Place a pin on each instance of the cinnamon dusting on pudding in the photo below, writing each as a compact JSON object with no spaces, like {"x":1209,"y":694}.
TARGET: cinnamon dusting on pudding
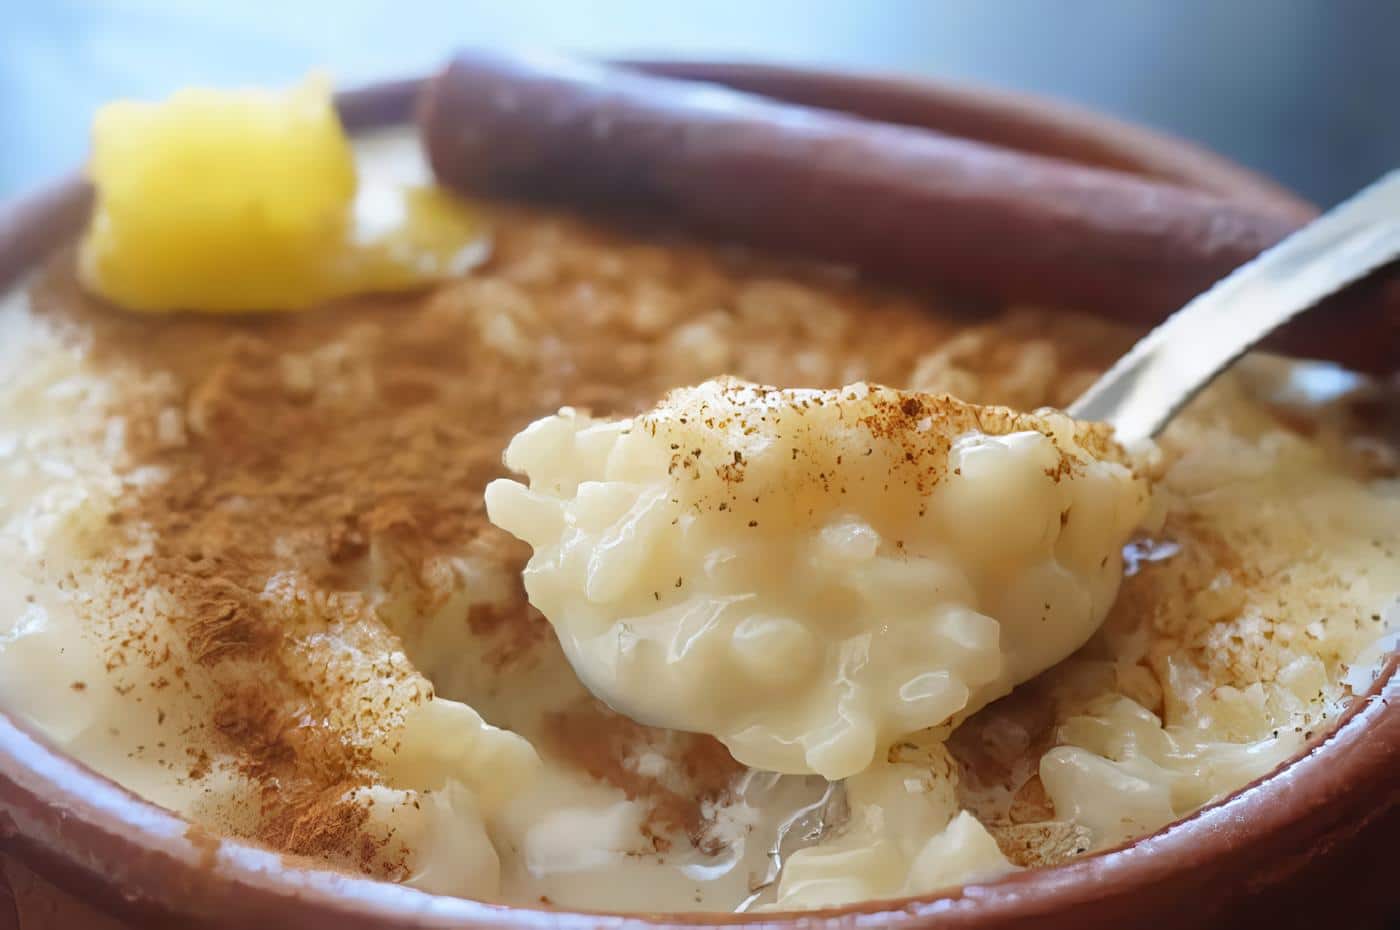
{"x":294,"y":557}
{"x":301,"y":455}
{"x":698,"y":770}
{"x":329,"y":825}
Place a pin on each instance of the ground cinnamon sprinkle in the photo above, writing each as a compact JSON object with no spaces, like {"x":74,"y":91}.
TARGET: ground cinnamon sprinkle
{"x":321,"y":472}
{"x":610,"y":747}
{"x":331,"y":823}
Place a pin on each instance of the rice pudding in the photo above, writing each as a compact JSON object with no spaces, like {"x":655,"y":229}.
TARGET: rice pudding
{"x":850,"y":566}
{"x":251,"y":577}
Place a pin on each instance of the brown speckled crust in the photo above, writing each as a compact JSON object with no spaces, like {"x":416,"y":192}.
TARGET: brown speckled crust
{"x":1310,"y":845}
{"x":900,"y":201}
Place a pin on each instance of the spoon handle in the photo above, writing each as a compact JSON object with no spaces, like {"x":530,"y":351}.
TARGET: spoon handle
{"x":1170,"y":365}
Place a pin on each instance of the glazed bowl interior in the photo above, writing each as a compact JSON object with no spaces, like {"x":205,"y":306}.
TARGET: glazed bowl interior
{"x":95,"y":839}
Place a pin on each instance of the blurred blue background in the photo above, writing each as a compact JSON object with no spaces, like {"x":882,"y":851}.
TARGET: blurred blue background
{"x":1304,"y":90}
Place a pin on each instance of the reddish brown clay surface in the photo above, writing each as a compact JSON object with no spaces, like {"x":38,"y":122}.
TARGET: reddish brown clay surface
{"x":1312,"y":844}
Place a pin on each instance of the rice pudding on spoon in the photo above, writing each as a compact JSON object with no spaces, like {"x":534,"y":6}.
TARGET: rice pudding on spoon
{"x":811,"y":575}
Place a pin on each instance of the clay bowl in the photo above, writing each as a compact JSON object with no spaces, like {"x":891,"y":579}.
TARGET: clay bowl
{"x":1312,"y":841}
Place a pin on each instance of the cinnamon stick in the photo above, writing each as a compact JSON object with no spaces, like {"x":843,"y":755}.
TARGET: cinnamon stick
{"x":901,"y":202}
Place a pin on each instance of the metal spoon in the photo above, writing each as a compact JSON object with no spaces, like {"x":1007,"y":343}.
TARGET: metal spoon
{"x":1142,"y":392}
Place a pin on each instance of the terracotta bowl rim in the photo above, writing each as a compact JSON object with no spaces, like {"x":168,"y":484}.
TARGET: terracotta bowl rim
{"x":92,"y":836}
